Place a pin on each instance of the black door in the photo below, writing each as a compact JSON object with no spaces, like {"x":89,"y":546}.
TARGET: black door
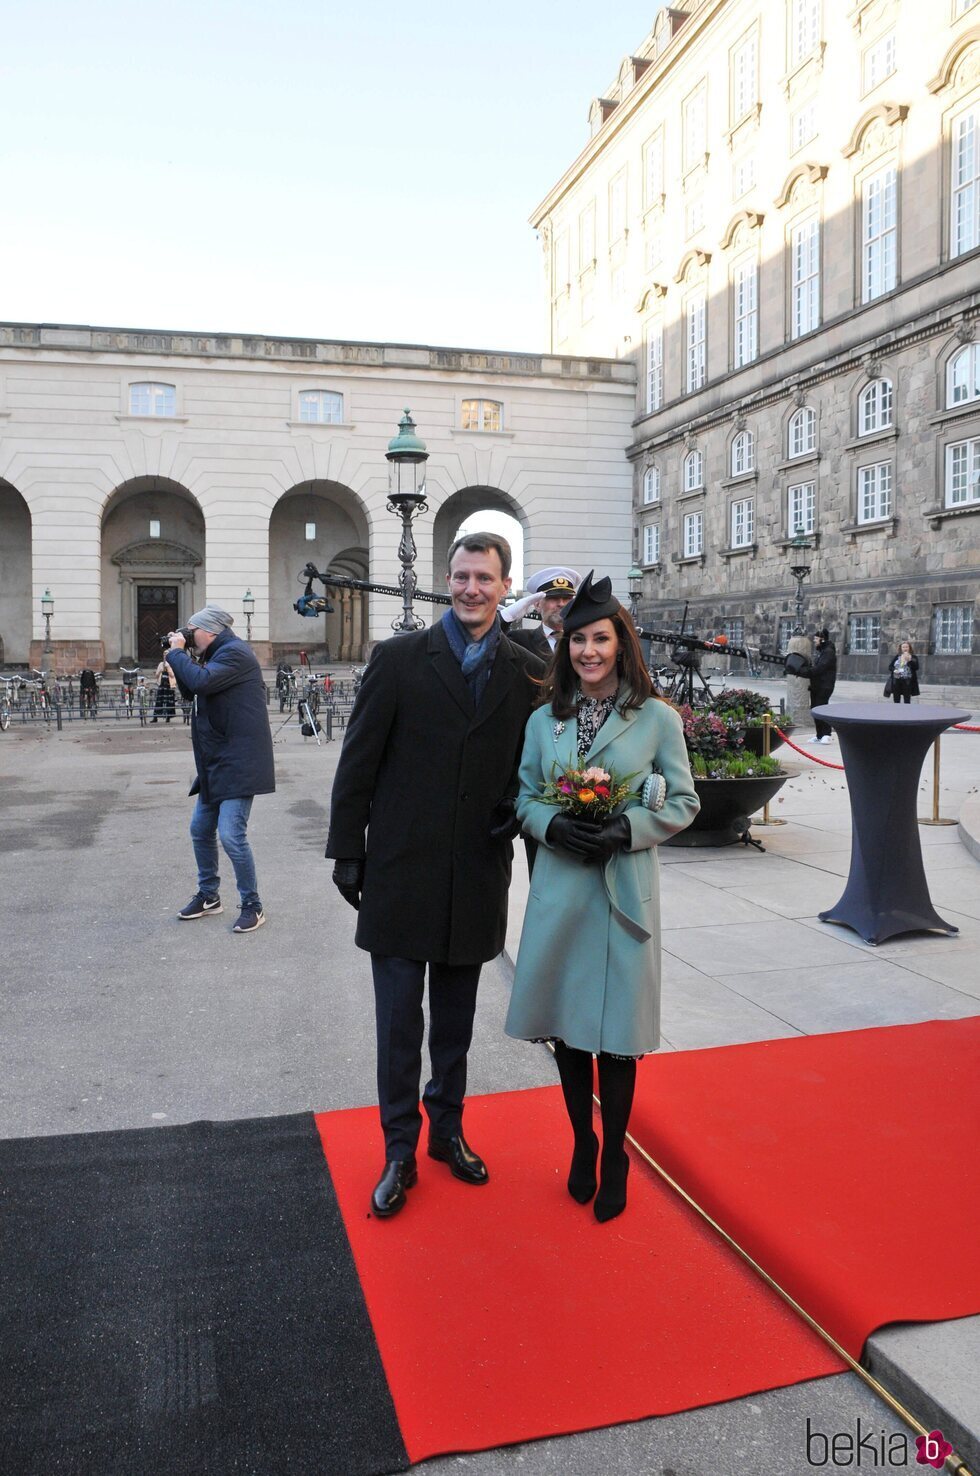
{"x":156,"y":615}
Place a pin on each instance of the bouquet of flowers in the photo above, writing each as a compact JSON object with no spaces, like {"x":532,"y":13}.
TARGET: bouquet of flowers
{"x":589,"y":794}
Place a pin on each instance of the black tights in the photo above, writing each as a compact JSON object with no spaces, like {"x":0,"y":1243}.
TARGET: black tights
{"x":617,"y":1079}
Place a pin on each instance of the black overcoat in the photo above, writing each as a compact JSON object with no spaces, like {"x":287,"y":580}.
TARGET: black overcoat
{"x":421,"y":773}
{"x":230,"y":726}
{"x":912,"y":685}
{"x":533,"y":640}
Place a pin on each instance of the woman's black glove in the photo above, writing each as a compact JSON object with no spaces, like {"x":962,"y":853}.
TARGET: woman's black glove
{"x":614,"y":836}
{"x":348,"y":878}
{"x":572,"y":834}
{"x":504,"y":824}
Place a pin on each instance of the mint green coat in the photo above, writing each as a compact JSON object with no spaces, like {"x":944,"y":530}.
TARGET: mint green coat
{"x":588,"y":967}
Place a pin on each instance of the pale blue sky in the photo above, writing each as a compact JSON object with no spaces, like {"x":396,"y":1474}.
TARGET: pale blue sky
{"x":360,"y":171}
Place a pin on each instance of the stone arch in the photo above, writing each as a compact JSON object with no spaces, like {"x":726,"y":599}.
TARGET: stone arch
{"x":15,"y":577}
{"x":871,"y":130}
{"x":340,"y":546}
{"x":736,"y":232}
{"x":153,"y":565}
{"x":693,"y":265}
{"x":800,"y":185}
{"x":456,"y":509}
{"x":961,"y":64}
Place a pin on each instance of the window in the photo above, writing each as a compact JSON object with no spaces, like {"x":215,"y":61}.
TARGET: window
{"x":803,"y":432}
{"x":804,"y":33}
{"x":617,"y":283}
{"x":311,"y":532}
{"x":653,"y":170}
{"x":743,"y":176}
{"x":321,"y":407}
{"x":651,"y":485}
{"x":655,"y":364}
{"x":561,"y":320}
{"x":878,"y":235}
{"x":803,"y":126}
{"x":743,"y":522}
{"x":874,"y":492}
{"x":879,"y":61}
{"x":694,"y":216}
{"x":805,"y":278}
{"x":784,"y":632}
{"x":963,"y":376}
{"x":960,"y":7}
{"x":695,"y":128}
{"x":864,"y":634}
{"x":154,"y":528}
{"x":875,"y":407}
{"x":617,"y":207}
{"x":801,"y":509}
{"x":963,"y":473}
{"x":693,"y":471}
{"x":745,"y":305}
{"x":953,"y":630}
{"x":152,"y":399}
{"x":586,"y":238}
{"x":744,"y":84}
{"x":562,"y":265}
{"x":965,"y":225}
{"x":482,"y":415}
{"x":695,"y":342}
{"x":693,"y":535}
{"x":654,"y":252}
{"x":734,"y":629}
{"x":588,"y":304}
{"x":743,"y":454}
{"x":651,"y":543}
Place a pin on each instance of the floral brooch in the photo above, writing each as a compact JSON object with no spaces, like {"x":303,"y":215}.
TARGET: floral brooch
{"x":559,"y":728}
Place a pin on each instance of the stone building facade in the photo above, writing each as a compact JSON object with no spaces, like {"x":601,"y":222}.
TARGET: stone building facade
{"x":144,"y":473}
{"x":777,"y":220}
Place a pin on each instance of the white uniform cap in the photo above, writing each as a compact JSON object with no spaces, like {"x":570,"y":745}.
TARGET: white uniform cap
{"x":556,"y":580}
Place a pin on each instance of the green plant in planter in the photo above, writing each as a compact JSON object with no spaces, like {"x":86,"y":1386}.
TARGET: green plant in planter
{"x":734,"y":766}
{"x":746,"y":707}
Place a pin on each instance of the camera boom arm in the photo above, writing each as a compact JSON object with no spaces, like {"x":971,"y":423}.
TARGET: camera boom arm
{"x":313,"y":605}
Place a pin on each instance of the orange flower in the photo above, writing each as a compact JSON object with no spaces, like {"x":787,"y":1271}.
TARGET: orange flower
{"x":586,"y":796}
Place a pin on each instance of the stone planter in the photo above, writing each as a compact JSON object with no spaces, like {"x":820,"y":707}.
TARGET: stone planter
{"x":726,"y":806}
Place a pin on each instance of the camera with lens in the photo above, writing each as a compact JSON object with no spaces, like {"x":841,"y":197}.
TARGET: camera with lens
{"x":185,"y":631}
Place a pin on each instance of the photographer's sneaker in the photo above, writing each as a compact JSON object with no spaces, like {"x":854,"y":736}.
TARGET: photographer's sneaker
{"x":250,"y":919}
{"x":200,"y":906}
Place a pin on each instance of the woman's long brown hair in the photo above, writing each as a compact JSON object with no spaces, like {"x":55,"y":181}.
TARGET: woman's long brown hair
{"x":560,"y":684}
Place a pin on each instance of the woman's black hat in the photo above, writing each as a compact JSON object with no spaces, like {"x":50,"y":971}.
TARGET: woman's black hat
{"x":594,"y":601}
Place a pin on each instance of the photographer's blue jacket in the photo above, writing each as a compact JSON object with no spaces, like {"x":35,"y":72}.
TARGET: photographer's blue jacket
{"x":230,"y":727}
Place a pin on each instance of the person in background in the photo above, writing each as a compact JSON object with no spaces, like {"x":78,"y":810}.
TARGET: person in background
{"x":823,"y":679}
{"x":549,"y":591}
{"x":165,"y":705}
{"x":904,"y":668}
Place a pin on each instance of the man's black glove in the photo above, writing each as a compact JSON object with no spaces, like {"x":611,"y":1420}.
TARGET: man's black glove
{"x":504,"y":824}
{"x":348,"y":878}
{"x":579,"y":837}
{"x":614,"y":836}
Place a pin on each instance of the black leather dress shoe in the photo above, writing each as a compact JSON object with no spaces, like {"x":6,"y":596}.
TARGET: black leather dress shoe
{"x":463,"y":1162}
{"x":389,"y":1192}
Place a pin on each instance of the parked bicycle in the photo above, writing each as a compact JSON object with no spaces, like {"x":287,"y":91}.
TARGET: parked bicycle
{"x":130,"y":681}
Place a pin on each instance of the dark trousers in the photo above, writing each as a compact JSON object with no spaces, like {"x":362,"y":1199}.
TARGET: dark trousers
{"x":819,"y":696}
{"x":399,"y":986}
{"x":901,"y":693}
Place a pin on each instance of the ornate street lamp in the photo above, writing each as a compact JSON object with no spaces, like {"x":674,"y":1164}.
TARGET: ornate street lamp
{"x":635,"y":581}
{"x":47,"y":610}
{"x":248,"y":606}
{"x":801,"y":552}
{"x":406,"y":455}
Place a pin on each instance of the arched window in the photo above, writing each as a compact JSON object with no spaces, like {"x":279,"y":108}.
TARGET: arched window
{"x":149,"y":398}
{"x":875,"y":407}
{"x":743,"y":454}
{"x":693,"y":471}
{"x":651,"y":485}
{"x":321,"y":407}
{"x":963,"y":376}
{"x":803,"y":432}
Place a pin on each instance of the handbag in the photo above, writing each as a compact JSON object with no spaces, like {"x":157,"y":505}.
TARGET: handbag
{"x":653,"y":795}
{"x":888,"y":688}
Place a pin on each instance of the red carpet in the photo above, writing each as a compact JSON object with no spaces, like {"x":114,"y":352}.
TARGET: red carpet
{"x":846,"y":1164}
{"x":506,"y":1313}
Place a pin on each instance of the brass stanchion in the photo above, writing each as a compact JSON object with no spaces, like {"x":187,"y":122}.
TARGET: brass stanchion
{"x":935,"y":818}
{"x":767,"y":819}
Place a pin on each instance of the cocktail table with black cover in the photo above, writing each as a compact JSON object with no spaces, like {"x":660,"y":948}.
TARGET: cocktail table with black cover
{"x":883,"y":748}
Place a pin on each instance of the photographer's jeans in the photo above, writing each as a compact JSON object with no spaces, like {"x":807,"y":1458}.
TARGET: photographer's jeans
{"x":227,"y":820}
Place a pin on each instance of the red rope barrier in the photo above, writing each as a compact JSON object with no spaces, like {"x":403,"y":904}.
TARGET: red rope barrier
{"x":826,"y":762}
{"x":966,"y":728}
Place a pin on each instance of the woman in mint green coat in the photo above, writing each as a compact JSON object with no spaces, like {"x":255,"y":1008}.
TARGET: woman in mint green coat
{"x":588,"y":968}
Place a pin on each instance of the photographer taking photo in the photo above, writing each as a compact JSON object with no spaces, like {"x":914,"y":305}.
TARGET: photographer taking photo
{"x":233,"y":753}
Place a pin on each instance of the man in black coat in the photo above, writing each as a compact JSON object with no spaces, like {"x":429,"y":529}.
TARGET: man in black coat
{"x":233,"y":754}
{"x":823,"y":679}
{"x":429,"y":772}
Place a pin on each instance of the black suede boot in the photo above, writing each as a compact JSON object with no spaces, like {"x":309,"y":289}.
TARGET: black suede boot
{"x":617,"y":1080}
{"x":575,"y":1070}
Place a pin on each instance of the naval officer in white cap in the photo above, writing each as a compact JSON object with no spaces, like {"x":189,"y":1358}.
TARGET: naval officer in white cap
{"x":549,"y":591}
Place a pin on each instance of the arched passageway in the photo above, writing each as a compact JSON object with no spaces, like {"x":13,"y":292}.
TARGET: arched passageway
{"x":322,"y":523}
{"x":15,"y":577}
{"x":473,"y":508}
{"x":153,"y":579}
